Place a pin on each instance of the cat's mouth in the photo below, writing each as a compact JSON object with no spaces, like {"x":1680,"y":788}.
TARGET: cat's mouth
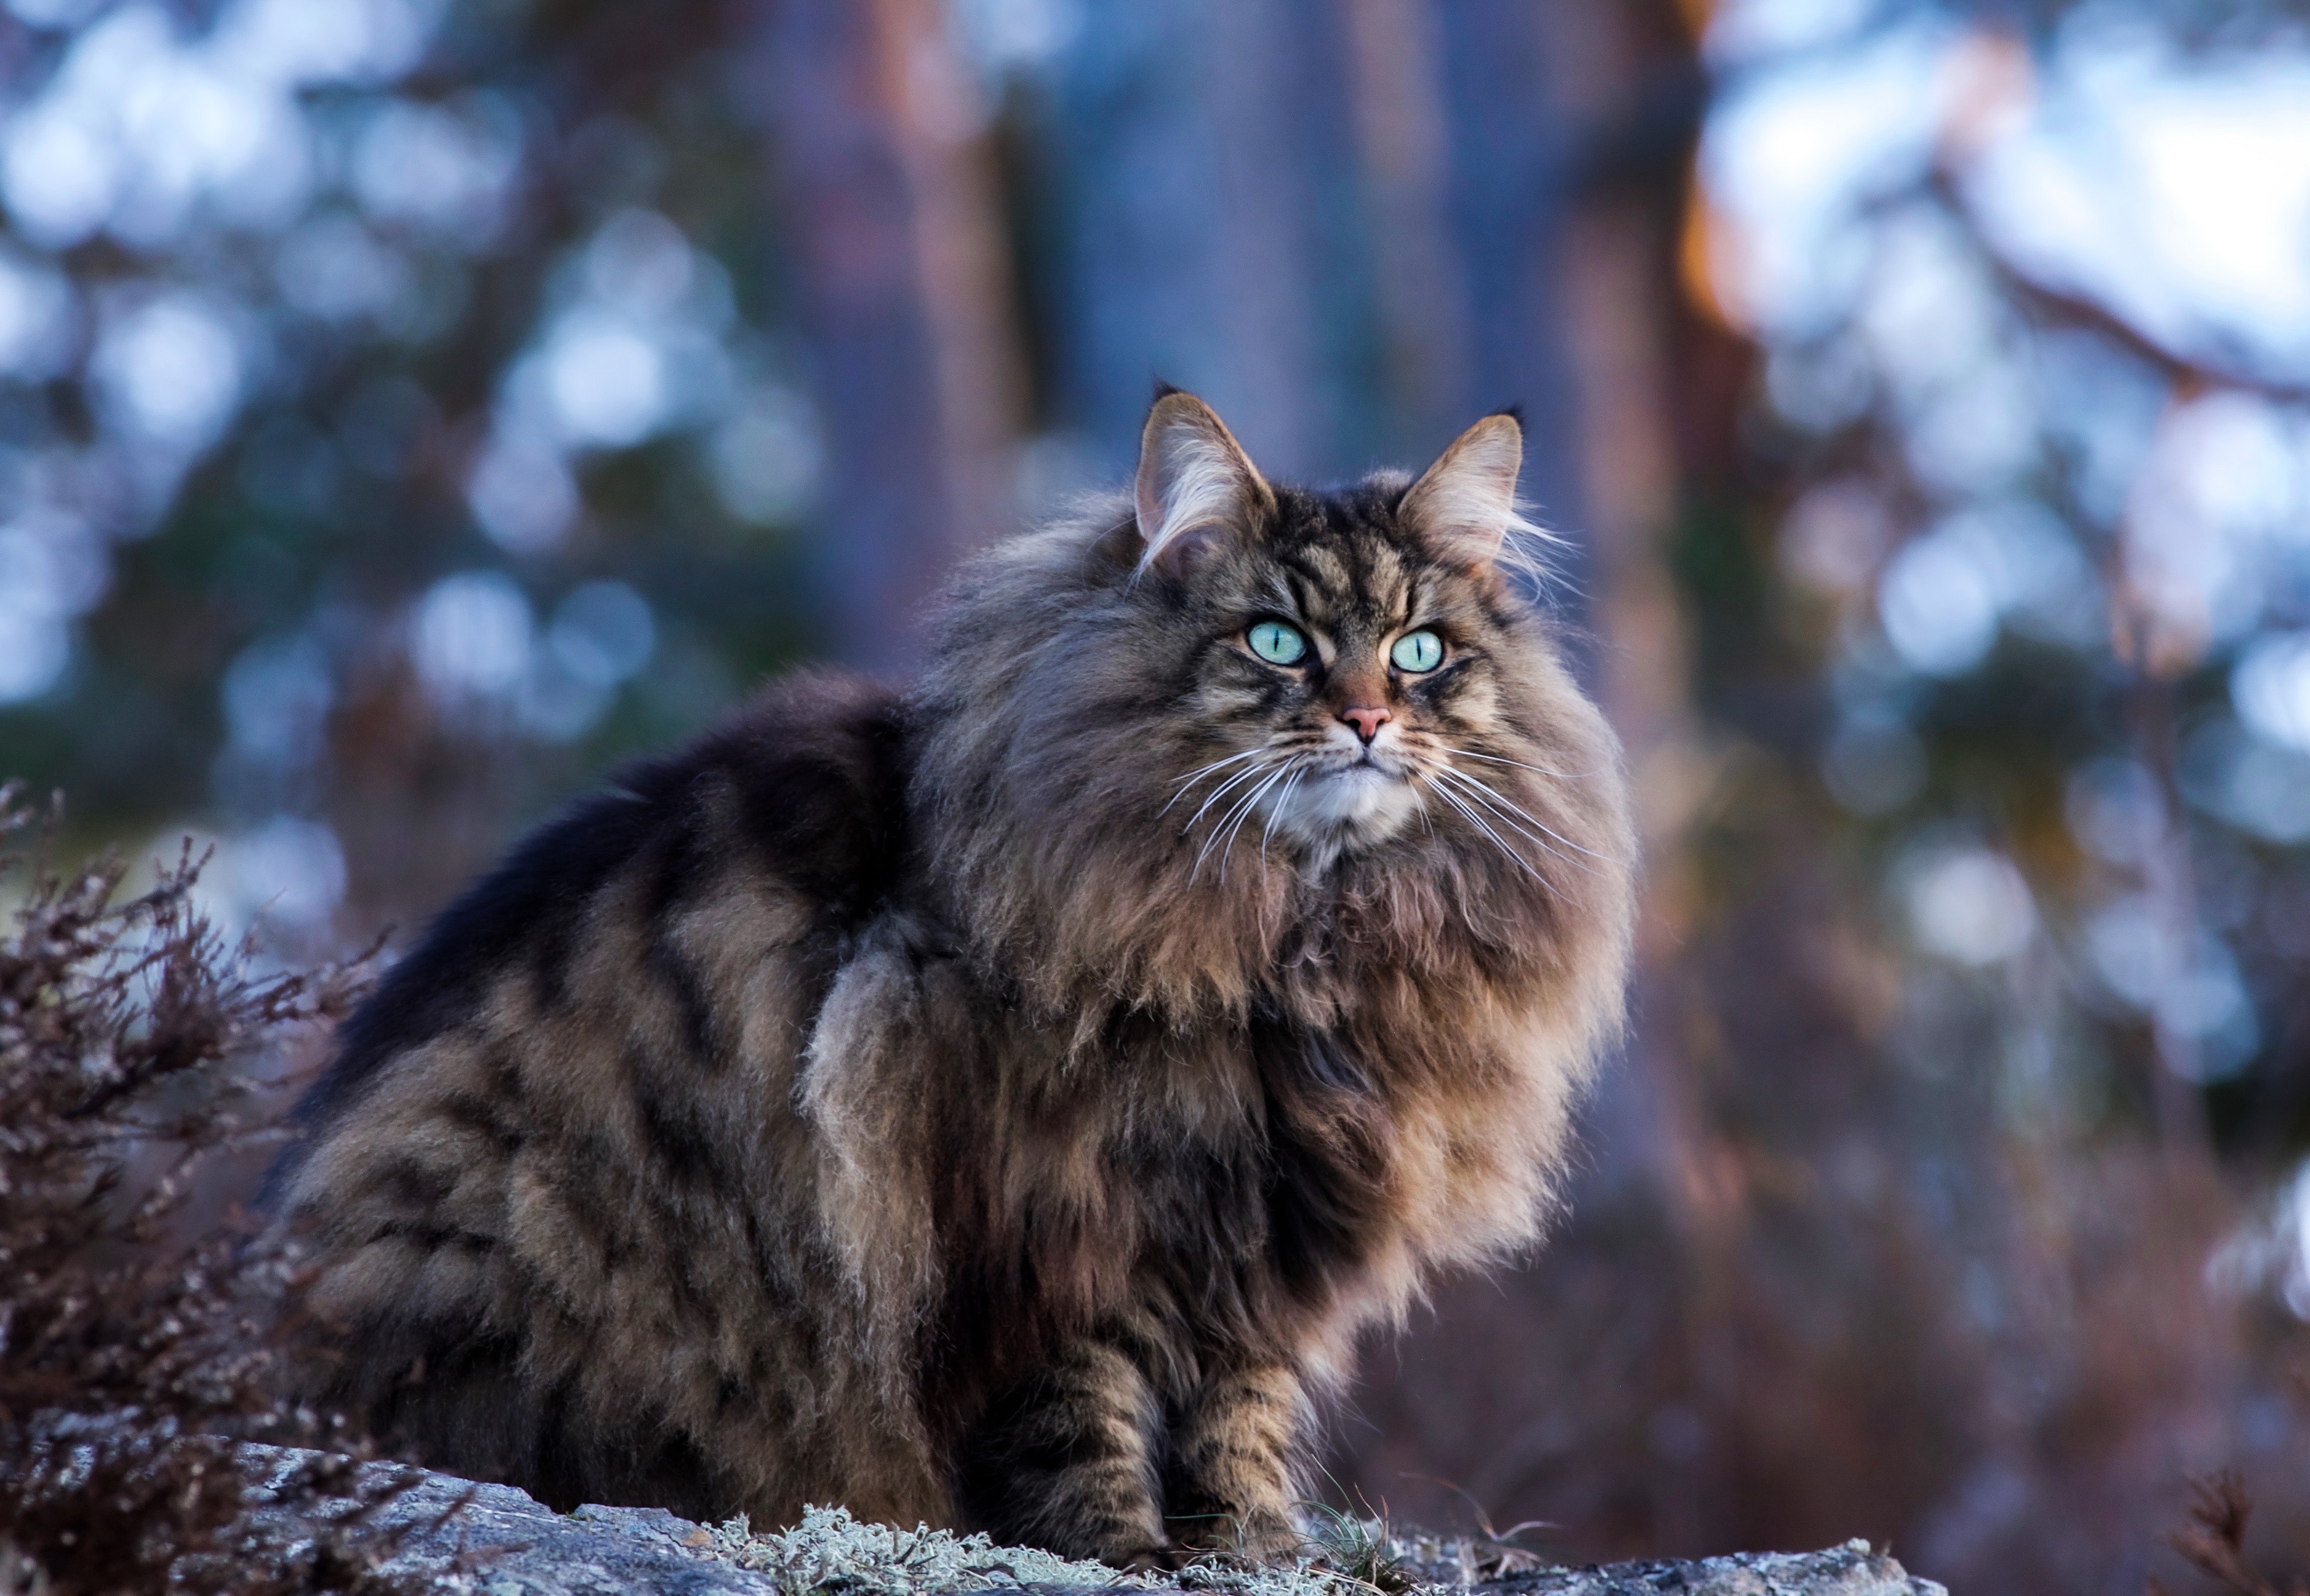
{"x":1354,"y":803}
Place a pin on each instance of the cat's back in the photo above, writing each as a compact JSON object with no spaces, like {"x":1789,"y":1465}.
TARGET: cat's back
{"x":790,"y":816}
{"x":531,"y":1123}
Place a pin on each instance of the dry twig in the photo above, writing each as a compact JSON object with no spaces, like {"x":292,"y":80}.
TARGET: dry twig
{"x":135,"y":1361}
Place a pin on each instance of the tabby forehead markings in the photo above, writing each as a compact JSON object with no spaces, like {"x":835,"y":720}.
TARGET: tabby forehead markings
{"x":1356,"y":575}
{"x":1002,"y":1104}
{"x":1279,"y":589}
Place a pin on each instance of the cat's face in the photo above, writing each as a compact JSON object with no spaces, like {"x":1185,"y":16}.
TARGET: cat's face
{"x":1156,"y":738}
{"x":1357,"y":658}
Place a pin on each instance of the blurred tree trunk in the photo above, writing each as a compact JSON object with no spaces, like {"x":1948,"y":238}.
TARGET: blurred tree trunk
{"x":1463,"y":136}
{"x":1194,"y":147}
{"x":1509,"y":135}
{"x":902,"y":291}
{"x":1291,"y":207}
{"x":1628,"y":73}
{"x":1422,"y":299}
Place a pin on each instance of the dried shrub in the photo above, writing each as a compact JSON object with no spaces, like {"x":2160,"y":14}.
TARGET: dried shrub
{"x":136,"y":1366}
{"x":2213,"y":1540}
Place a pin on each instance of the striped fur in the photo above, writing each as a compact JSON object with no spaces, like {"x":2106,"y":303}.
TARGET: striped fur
{"x":991,"y":1106}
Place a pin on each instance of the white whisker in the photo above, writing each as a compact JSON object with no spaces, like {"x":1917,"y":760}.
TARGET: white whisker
{"x":1501,"y":804}
{"x":1219,"y":826}
{"x":1239,"y":813}
{"x":1221,"y":791}
{"x":1275,"y":810}
{"x":1248,"y":753}
{"x":1505,"y":819}
{"x":1470,"y":753}
{"x":1185,"y":784}
{"x":1477,"y":820}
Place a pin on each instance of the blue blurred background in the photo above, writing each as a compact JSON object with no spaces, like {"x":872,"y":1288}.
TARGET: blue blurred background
{"x":410,"y":407}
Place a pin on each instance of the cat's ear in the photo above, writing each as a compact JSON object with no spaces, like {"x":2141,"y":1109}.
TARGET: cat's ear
{"x":1465,"y":503}
{"x":1197,"y":487}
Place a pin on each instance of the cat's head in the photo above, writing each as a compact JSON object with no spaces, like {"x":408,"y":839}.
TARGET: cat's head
{"x":1358,"y":650}
{"x":1161,"y":730}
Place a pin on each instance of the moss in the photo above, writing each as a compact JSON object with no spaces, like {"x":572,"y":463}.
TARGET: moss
{"x":830,"y":1551}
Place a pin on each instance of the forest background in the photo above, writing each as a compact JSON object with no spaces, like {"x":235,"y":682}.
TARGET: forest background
{"x":410,"y":408}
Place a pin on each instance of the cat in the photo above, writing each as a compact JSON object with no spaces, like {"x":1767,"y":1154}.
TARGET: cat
{"x":1003,"y":1103}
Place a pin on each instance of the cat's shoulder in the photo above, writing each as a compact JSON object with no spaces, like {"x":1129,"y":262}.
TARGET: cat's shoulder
{"x":806,"y":782}
{"x":809,"y":779}
{"x":805,"y":786}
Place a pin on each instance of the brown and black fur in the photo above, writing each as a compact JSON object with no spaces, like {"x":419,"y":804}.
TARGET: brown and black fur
{"x":918,"y":1103}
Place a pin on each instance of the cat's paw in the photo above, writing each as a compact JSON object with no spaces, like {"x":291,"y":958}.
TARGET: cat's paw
{"x":1152,"y":1559}
{"x":1248,"y":1542}
{"x":1259,"y":1545}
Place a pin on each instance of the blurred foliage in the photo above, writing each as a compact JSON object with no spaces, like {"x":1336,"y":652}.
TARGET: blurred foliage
{"x":386,"y":297}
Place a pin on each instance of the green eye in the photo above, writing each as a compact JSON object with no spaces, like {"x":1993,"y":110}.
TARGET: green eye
{"x":1278,"y":644}
{"x":1417,"y":651}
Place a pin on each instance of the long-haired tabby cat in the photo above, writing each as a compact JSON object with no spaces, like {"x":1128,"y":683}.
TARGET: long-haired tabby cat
{"x":1002,"y":1104}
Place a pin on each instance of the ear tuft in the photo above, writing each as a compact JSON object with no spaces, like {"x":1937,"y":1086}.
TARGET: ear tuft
{"x":1195,"y":485}
{"x":1465,"y":503}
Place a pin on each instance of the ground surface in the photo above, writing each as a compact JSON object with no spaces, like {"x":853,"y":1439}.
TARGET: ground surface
{"x":493,"y":1541}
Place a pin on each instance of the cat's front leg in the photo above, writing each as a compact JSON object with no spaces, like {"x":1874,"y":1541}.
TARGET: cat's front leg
{"x":1065,"y":1460}
{"x":1230,"y":1486}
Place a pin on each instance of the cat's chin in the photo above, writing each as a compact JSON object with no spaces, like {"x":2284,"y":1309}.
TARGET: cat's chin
{"x":1347,"y":810}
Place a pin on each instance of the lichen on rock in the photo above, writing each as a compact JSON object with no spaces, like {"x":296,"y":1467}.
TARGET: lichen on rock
{"x":832,"y":1552}
{"x":467,"y":1540}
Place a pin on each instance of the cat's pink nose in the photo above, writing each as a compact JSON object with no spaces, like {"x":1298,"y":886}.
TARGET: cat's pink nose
{"x":1366,"y":721}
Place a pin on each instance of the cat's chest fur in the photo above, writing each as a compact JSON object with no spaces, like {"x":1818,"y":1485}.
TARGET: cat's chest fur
{"x":1240,"y":1176}
{"x":1255,"y":1158}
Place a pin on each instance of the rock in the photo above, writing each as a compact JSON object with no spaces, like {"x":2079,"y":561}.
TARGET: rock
{"x":1852,"y":1569}
{"x":493,"y":1541}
